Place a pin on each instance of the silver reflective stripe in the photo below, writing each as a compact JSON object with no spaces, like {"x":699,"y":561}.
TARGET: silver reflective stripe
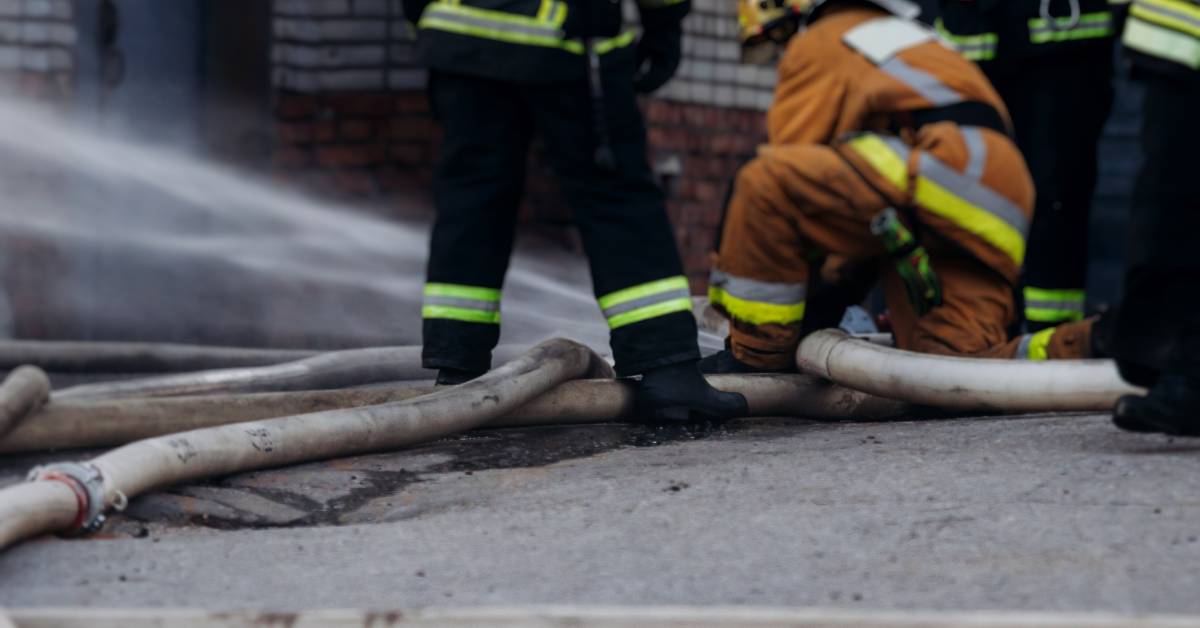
{"x":902,"y":150}
{"x":974,"y":192}
{"x":448,"y":14}
{"x":637,"y":304}
{"x":976,"y":152}
{"x":1066,"y":306}
{"x":469,"y":304}
{"x":1168,"y":13}
{"x":759,"y":291}
{"x":1023,"y":348}
{"x":924,"y":83}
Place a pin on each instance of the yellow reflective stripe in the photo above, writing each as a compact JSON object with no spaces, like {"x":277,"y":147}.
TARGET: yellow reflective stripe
{"x":980,"y":38}
{"x":1090,"y":26}
{"x":1164,"y":43}
{"x":602,"y":46}
{"x":458,"y":291}
{"x":1046,"y":315}
{"x":642,"y":291}
{"x":496,"y":34}
{"x":883,"y":159}
{"x":979,"y":47}
{"x":756,"y":312}
{"x":1035,"y":347}
{"x":650,"y":311}
{"x":889,"y":161}
{"x":1068,"y":295}
{"x":1043,"y":305}
{"x":1181,"y":16}
{"x":645,"y":301}
{"x":977,"y":220}
{"x":460,"y":314}
{"x":544,"y":31}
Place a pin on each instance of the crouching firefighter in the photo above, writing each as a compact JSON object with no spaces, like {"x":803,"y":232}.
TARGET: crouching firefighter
{"x":889,"y":152}
{"x":503,"y":71}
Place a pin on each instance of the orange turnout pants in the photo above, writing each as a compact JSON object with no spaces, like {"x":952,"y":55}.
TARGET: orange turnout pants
{"x":793,"y":206}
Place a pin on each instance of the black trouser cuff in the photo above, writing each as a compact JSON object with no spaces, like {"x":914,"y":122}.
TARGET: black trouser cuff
{"x":640,"y":368}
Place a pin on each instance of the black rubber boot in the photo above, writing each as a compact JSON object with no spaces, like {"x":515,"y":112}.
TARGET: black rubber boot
{"x":723,"y":363}
{"x":678,"y":392}
{"x":454,"y":377}
{"x":1172,"y":407}
{"x":1173,"y":404}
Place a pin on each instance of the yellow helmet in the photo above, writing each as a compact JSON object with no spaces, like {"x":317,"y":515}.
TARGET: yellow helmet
{"x":767,"y":24}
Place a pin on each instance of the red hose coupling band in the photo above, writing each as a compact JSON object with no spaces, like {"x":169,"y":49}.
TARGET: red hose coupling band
{"x":87,"y":483}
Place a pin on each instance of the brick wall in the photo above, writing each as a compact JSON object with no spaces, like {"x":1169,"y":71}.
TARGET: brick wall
{"x":351,"y":115}
{"x":37,"y":47}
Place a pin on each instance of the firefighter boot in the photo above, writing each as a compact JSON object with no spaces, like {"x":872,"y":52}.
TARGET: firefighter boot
{"x":1173,"y":404}
{"x":723,"y":363}
{"x":678,"y":392}
{"x":454,"y":377}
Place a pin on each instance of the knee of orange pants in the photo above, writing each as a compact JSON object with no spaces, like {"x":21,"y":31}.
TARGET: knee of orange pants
{"x":974,"y":319}
{"x":977,"y":309}
{"x":790,"y":206}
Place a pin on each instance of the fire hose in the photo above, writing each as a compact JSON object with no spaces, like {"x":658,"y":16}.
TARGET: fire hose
{"x":963,"y":383}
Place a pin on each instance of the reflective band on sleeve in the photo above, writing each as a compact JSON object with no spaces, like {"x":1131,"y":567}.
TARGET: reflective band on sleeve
{"x":758,"y":302}
{"x":1090,"y":26}
{"x":646,"y":301}
{"x":1174,"y":14}
{"x":976,"y":152}
{"x":1035,"y":347}
{"x":1163,"y":43}
{"x":922,"y":82}
{"x":1054,"y":306}
{"x":943,"y":191}
{"x":544,"y":30}
{"x":981,"y":47}
{"x":471,"y":304}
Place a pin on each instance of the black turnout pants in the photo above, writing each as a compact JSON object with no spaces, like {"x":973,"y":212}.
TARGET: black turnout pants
{"x":1158,"y":324}
{"x":478,"y":184}
{"x":1059,"y":114}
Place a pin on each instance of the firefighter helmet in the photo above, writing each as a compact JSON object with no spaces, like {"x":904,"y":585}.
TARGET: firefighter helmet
{"x":768,"y":24}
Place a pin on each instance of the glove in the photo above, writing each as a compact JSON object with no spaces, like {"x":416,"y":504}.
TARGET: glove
{"x":658,"y":54}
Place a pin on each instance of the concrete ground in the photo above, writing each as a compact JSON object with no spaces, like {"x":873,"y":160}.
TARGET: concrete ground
{"x":1033,"y":513}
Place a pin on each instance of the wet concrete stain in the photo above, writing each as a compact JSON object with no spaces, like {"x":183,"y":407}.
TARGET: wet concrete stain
{"x":371,"y":479}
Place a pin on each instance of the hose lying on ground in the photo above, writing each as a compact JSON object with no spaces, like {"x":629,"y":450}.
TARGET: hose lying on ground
{"x":107,"y":423}
{"x":75,"y":496}
{"x":337,"y":369}
{"x":135,"y":357}
{"x":963,"y":383}
{"x":22,"y":393}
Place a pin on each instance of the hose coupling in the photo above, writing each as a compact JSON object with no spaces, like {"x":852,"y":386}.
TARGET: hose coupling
{"x":87,"y":483}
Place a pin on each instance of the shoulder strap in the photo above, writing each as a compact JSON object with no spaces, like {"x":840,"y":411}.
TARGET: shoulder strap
{"x":881,"y":39}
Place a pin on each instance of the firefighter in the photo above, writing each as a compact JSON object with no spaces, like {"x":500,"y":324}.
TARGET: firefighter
{"x":1052,"y":63}
{"x":1156,"y":330}
{"x":503,"y":71}
{"x":883,"y":145}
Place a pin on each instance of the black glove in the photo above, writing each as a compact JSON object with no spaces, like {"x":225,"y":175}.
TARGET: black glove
{"x":658,"y":54}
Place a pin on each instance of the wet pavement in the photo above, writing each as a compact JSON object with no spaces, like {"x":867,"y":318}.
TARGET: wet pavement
{"x":1024,"y":513}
